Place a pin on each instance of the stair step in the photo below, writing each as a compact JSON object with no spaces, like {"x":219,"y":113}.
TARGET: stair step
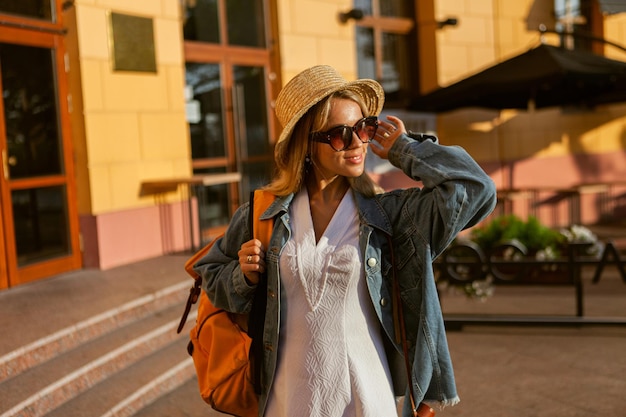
{"x":74,"y":372}
{"x":164,"y":384}
{"x":105,"y":397}
{"x":46,"y":348}
{"x":184,"y":401}
{"x":19,"y":388}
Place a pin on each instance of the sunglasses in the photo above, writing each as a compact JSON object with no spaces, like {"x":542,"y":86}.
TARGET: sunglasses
{"x":340,"y":137}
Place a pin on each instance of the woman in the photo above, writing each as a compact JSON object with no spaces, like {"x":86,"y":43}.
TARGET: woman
{"x":328,"y":265}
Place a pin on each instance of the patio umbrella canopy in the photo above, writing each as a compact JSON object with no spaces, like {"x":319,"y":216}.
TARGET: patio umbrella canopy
{"x":544,"y":76}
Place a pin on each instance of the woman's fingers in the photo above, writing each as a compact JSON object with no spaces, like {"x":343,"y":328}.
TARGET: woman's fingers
{"x":252,"y":260}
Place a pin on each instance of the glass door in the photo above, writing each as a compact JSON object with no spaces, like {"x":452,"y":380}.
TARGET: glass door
{"x":39,"y":228}
{"x":231,"y":79}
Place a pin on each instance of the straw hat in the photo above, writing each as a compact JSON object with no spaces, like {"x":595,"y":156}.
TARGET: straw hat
{"x":312,"y":85}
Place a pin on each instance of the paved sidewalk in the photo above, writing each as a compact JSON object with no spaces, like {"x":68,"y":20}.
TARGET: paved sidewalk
{"x":542,"y":370}
{"x":501,"y":370}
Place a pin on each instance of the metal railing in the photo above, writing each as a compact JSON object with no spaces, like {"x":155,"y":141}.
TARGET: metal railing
{"x":465,"y":262}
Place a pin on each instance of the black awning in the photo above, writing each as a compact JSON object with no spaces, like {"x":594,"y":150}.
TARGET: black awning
{"x":612,"y":6}
{"x":544,"y":76}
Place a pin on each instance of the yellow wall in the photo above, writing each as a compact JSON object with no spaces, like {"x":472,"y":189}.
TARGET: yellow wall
{"x":311,"y":34}
{"x":615,"y":30}
{"x":513,"y":135}
{"x":487,"y":31}
{"x":490,"y":32}
{"x":133,"y":125}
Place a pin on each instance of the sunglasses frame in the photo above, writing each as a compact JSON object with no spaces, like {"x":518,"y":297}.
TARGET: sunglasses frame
{"x":324,"y":137}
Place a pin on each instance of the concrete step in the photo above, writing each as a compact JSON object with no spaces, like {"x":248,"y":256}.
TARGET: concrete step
{"x":184,"y":401}
{"x":50,"y":345}
{"x":129,"y":390}
{"x":111,"y":364}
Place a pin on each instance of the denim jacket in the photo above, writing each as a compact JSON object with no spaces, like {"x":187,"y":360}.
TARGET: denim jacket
{"x":421,"y":223}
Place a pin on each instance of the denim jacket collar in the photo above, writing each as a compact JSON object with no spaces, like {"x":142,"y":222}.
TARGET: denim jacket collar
{"x":370,"y":211}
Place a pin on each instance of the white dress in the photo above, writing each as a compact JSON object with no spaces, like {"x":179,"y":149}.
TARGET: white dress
{"x":331,"y":360}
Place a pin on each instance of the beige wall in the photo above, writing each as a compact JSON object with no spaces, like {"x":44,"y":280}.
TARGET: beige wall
{"x":311,"y":34}
{"x":492,"y":31}
{"x":488,"y":31}
{"x":615,"y":30}
{"x":551,"y":147}
{"x":127,"y":127}
{"x":133,"y":123}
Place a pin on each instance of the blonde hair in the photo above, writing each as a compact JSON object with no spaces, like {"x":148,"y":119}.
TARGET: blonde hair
{"x":290,"y":154}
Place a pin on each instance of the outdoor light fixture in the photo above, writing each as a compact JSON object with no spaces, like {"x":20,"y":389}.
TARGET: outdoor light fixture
{"x":451,"y":21}
{"x":356,"y":14}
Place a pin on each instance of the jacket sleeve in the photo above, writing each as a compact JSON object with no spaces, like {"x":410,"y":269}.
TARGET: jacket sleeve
{"x":456,"y":192}
{"x":221,"y":274}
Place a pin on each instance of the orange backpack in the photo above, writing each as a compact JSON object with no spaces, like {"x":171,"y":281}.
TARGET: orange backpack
{"x":219,"y":345}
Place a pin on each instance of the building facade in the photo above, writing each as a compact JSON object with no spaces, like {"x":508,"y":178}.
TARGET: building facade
{"x":133,"y":129}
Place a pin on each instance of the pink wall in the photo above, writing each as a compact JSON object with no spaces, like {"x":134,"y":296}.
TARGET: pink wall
{"x":123,"y":237}
{"x":540,"y":185}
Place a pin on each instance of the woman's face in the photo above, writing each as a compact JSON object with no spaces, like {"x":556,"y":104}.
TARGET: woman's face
{"x":351,"y":161}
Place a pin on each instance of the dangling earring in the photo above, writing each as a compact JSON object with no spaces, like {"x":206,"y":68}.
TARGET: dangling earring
{"x":307,"y":163}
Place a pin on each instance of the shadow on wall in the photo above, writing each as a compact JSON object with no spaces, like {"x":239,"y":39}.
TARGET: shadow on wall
{"x":555,"y":148}
{"x":528,"y":137}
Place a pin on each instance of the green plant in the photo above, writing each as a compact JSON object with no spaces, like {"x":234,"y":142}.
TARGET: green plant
{"x":531,"y":233}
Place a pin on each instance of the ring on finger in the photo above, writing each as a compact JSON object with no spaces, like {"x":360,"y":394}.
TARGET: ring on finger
{"x":249,"y":259}
{"x":385,"y":135}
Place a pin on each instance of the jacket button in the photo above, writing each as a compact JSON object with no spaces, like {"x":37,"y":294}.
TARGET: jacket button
{"x":271,"y":294}
{"x":383,"y":301}
{"x":371,"y":262}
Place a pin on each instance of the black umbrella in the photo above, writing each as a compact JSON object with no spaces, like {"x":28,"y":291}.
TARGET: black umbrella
{"x":541,"y":77}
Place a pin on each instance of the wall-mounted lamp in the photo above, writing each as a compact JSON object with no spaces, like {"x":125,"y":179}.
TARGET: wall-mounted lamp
{"x":451,"y":21}
{"x":356,"y":14}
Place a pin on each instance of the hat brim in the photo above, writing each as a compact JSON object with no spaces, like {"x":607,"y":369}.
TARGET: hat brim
{"x":370,"y":91}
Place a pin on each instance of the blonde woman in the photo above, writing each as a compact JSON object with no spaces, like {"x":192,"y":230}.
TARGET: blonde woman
{"x":329,"y":314}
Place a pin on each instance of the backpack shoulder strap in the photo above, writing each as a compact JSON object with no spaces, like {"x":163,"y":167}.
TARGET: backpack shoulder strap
{"x":260,"y":200}
{"x":196,"y":289}
{"x":261,"y":229}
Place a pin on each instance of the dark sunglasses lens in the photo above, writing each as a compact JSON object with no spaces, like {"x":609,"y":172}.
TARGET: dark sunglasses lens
{"x":340,"y":137}
{"x":366,"y":129}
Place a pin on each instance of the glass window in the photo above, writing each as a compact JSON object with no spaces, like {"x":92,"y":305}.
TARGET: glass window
{"x":384,"y":44}
{"x":250,"y":105}
{"x":574,"y":17}
{"x":395,"y":8}
{"x":213,"y":203}
{"x":30,"y":111}
{"x":38,"y":9}
{"x":388,"y":8}
{"x":205,"y":113}
{"x":39,"y":214}
{"x":365,"y":52}
{"x":201,"y":22}
{"x":255,"y":175}
{"x":245,"y":23}
{"x":394,"y":63}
